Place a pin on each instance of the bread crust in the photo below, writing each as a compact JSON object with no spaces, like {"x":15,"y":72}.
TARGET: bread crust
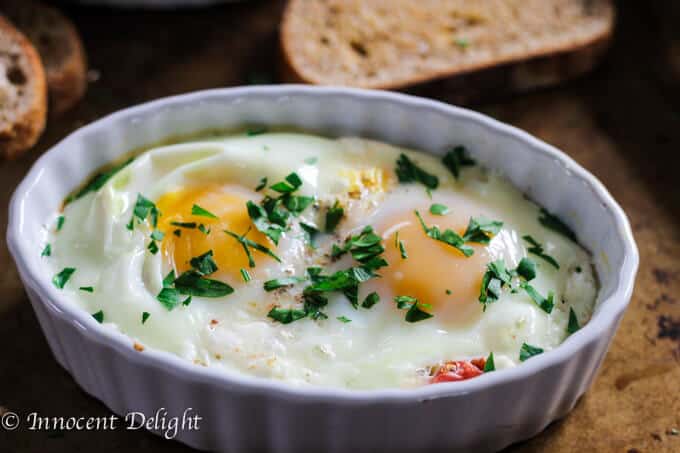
{"x":67,"y":80}
{"x":19,"y":136}
{"x":593,"y":45}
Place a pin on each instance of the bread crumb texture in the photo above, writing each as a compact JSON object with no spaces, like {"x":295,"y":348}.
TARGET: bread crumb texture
{"x":376,"y":43}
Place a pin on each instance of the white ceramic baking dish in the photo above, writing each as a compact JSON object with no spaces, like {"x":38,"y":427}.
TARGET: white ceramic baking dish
{"x":244,"y":413}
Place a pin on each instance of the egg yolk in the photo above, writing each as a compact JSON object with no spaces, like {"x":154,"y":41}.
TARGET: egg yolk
{"x":435,"y":273}
{"x":230,"y":208}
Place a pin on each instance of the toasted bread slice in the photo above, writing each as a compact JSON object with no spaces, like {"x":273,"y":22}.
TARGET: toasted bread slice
{"x":60,"y":48}
{"x":23,"y":92}
{"x":397,"y":43}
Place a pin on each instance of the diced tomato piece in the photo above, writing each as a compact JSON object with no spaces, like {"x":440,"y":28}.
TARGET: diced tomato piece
{"x":458,"y":370}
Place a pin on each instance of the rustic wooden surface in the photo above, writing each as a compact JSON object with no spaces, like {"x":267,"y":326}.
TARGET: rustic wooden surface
{"x":622,"y":123}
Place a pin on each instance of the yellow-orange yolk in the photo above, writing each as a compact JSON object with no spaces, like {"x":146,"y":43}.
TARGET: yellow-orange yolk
{"x":230,"y":208}
{"x":433,"y":268}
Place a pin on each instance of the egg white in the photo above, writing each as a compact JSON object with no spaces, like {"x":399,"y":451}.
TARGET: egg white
{"x":377,"y":348}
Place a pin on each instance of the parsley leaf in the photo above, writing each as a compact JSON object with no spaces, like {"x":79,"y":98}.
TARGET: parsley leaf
{"x":537,"y":249}
{"x":457,"y":158}
{"x":245,"y":275}
{"x":153,"y":247}
{"x":247,"y":244}
{"x":97,"y":181}
{"x":573,"y":324}
{"x":494,"y":278}
{"x":204,"y":264}
{"x":400,"y":246}
{"x":189,"y":225}
{"x":365,"y":247}
{"x":481,"y":230}
{"x":449,"y":237}
{"x":286,"y":315}
{"x":344,"y":319}
{"x":47,"y":251}
{"x":199,"y":211}
{"x":489,"y":365}
{"x":408,"y":171}
{"x":333,"y":216}
{"x":263,"y":223}
{"x":63,"y":276}
{"x":546,"y":304}
{"x":256,"y":130}
{"x":526,"y":269}
{"x":87,"y":289}
{"x":144,"y":208}
{"x":527,"y":351}
{"x":169,"y":279}
{"x":310,"y":232}
{"x":439,"y":209}
{"x":371,"y":300}
{"x":291,"y":183}
{"x":99,"y":316}
{"x":262,"y":184}
{"x":169,"y":297}
{"x":193,"y":283}
{"x":414,"y":313}
{"x":60,"y":222}
{"x":271,"y":285}
{"x":554,"y":223}
{"x":145,"y":316}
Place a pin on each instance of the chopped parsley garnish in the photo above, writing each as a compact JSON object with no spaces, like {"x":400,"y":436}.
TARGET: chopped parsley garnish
{"x":177,"y":232}
{"x":448,"y":292}
{"x":245,"y":275}
{"x":546,"y":304}
{"x":311,"y":160}
{"x":481,"y":230}
{"x":344,"y":319}
{"x":247,"y":244}
{"x":204,"y":263}
{"x":63,"y":276}
{"x":202,"y":212}
{"x":98,"y":181}
{"x":153,"y":247}
{"x":365,"y":247}
{"x":192,"y":283}
{"x":449,"y":237}
{"x":310,"y":232}
{"x":526,"y":269}
{"x":189,"y":225}
{"x":554,"y":223}
{"x":370,"y":300}
{"x":494,"y":278}
{"x":269,"y":217}
{"x":489,"y":365}
{"x":573,"y":324}
{"x":400,"y":246}
{"x":47,"y":251}
{"x":408,"y":171}
{"x":457,"y":158}
{"x":333,"y":216}
{"x":271,"y":285}
{"x":99,"y":316}
{"x":527,"y":351}
{"x":169,"y":279}
{"x":144,"y":208}
{"x":286,"y":315}
{"x":257,"y":130}
{"x":202,"y":228}
{"x":537,"y":249}
{"x":262,"y":184}
{"x":439,"y":209}
{"x":291,"y":183}
{"x":414,"y":313}
{"x":60,"y":222}
{"x":145,"y":316}
{"x":87,"y":289}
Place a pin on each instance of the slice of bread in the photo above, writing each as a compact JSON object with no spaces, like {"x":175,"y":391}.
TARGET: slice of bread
{"x":60,"y":48}
{"x":397,"y":43}
{"x":23,"y":92}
